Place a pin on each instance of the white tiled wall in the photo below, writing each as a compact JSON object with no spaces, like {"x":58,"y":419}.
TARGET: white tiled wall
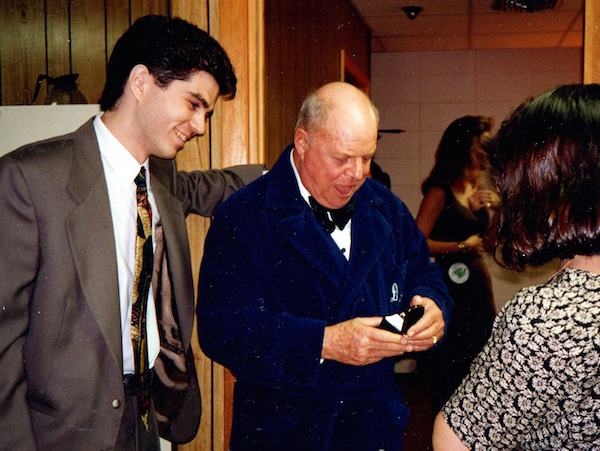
{"x":423,"y":92}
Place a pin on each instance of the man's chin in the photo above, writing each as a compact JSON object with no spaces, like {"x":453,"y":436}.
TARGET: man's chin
{"x":169,"y":154}
{"x":342,"y":199}
{"x":341,"y":203}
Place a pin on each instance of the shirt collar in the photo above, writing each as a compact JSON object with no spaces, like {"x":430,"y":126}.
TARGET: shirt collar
{"x":116,"y":156}
{"x":303,"y":191}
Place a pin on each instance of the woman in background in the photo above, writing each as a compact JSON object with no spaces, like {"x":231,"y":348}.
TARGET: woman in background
{"x":536,"y":384}
{"x":453,"y":217}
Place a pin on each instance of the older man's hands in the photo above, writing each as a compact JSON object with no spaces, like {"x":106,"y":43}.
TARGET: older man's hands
{"x":359,"y":342}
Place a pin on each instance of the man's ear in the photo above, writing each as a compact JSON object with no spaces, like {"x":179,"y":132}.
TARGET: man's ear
{"x":137,"y":82}
{"x":300,"y":141}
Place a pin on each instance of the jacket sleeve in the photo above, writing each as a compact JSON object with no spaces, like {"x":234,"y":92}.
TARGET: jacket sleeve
{"x":19,"y":259}
{"x":202,"y":191}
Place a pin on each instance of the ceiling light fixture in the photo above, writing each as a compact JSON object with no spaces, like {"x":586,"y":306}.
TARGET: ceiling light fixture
{"x":412,"y":11}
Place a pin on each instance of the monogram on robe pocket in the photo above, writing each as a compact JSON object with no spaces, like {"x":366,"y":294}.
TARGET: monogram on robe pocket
{"x":394,"y":283}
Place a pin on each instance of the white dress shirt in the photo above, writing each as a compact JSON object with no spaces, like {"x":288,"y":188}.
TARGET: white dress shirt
{"x":120,"y":170}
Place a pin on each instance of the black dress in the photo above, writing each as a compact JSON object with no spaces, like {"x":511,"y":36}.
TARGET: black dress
{"x":468,"y":281}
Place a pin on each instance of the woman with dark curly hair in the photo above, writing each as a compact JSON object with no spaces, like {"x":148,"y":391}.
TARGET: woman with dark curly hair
{"x":453,"y":217}
{"x":536,"y":384}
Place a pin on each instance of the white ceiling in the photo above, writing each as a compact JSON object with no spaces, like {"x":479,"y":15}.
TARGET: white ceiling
{"x":469,"y":25}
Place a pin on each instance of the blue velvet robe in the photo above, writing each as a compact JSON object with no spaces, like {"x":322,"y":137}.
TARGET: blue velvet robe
{"x":272,"y":279}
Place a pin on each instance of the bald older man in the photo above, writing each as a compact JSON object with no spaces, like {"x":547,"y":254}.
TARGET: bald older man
{"x":299,"y":269}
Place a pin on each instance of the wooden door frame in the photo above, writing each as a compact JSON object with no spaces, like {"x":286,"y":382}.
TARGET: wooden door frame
{"x":235,"y":137}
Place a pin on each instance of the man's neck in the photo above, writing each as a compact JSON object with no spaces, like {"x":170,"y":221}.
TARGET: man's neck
{"x":122,"y":128}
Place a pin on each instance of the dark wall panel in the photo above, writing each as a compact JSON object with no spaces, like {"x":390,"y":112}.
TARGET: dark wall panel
{"x":22,"y":49}
{"x":59,"y":37}
{"x":303,"y":45}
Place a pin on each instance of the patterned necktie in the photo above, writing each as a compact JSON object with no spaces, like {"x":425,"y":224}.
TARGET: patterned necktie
{"x":330,"y":218}
{"x":141,"y":286}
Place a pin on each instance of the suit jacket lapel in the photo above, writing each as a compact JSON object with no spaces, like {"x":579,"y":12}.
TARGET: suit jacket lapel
{"x":175,"y":384}
{"x":91,"y":236}
{"x":176,"y":256}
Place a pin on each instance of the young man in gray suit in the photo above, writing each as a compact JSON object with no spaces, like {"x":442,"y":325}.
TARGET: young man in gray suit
{"x":71,"y":377}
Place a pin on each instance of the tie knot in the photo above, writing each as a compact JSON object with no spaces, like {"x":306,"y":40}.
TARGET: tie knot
{"x":140,"y":179}
{"x":330,"y":218}
{"x":142,"y":191}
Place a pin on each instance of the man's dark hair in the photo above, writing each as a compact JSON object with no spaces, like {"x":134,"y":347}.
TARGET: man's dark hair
{"x":545,"y":163}
{"x":171,"y":49}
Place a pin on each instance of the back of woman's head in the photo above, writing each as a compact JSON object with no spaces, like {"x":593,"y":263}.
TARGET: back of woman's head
{"x":546,"y":167}
{"x":458,"y":150}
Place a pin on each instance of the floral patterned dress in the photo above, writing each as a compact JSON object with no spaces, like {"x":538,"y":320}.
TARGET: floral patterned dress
{"x":536,"y":384}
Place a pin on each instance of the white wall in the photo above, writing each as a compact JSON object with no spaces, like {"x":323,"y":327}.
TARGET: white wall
{"x":422,"y":92}
{"x":21,"y":125}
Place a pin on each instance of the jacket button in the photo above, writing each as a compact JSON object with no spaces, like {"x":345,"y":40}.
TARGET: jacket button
{"x":116,"y":403}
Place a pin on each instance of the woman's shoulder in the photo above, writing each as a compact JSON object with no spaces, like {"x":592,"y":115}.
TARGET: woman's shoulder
{"x":436,"y":194}
{"x":565,"y":309}
{"x":567,"y":287}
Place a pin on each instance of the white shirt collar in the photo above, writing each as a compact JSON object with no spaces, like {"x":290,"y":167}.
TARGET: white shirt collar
{"x":303,"y":191}
{"x":116,"y":157}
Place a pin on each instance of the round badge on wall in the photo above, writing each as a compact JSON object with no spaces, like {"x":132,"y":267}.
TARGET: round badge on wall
{"x":459,"y":273}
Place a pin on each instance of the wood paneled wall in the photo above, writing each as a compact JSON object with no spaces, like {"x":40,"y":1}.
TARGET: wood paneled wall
{"x":235,"y":137}
{"x":59,"y":37}
{"x":591,"y":43}
{"x":303,"y":45}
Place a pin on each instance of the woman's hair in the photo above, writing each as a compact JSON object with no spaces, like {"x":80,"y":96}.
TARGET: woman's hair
{"x":171,"y":49}
{"x":459,"y":149}
{"x":546,"y":167}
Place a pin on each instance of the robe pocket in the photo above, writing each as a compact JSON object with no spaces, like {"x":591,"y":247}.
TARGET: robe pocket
{"x":397,"y":412}
{"x":267,"y":412}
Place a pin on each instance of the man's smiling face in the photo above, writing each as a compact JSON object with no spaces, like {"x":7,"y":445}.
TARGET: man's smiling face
{"x":168,"y":117}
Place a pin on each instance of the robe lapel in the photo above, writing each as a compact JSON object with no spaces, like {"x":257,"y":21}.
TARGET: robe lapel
{"x":91,"y":237}
{"x":370,"y":234}
{"x":297,"y":224}
{"x":307,"y":236}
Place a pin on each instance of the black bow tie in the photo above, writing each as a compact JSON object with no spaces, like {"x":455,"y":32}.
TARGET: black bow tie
{"x":331,"y":218}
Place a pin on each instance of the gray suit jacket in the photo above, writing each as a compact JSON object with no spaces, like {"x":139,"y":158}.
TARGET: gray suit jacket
{"x":60,"y":339}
